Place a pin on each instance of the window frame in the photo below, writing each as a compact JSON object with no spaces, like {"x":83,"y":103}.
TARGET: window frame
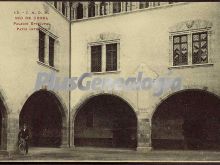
{"x":180,"y":44}
{"x":103,"y":50}
{"x":46,"y":62}
{"x":40,"y":40}
{"x":199,"y":41}
{"x":53,"y":51}
{"x":91,"y":67}
{"x":189,"y":34}
{"x":111,"y":54}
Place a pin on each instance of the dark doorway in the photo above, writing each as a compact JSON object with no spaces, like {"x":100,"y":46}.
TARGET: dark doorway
{"x":42,"y":113}
{"x":105,"y":121}
{"x":1,"y":121}
{"x":3,"y":126}
{"x":187,"y":120}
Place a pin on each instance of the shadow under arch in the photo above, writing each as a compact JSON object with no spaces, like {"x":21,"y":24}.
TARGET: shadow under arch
{"x":44,"y":113}
{"x":3,"y":122}
{"x":105,"y":120}
{"x":187,"y":119}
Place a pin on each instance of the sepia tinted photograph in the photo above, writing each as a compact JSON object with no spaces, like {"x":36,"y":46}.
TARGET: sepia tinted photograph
{"x":109,"y":81}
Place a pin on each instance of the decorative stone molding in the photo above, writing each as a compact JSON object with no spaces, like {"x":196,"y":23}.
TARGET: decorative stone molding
{"x":189,"y":28}
{"x":106,"y":36}
{"x":190,"y":25}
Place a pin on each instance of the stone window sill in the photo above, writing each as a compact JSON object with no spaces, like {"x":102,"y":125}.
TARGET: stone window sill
{"x":191,"y":66}
{"x":106,"y":72}
{"x":47,"y":66}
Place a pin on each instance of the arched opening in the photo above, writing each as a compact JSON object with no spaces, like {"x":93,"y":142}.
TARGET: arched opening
{"x":3,"y":126}
{"x":91,"y":9}
{"x":79,"y":11}
{"x":64,"y":8}
{"x":103,"y":8}
{"x":187,"y":120}
{"x":105,"y":121}
{"x":43,"y":113}
{"x":116,"y":7}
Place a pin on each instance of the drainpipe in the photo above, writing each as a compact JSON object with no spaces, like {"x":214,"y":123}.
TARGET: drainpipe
{"x":70,"y":44}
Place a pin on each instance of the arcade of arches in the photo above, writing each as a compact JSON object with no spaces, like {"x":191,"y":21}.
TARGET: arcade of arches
{"x":105,"y":121}
{"x":187,"y":120}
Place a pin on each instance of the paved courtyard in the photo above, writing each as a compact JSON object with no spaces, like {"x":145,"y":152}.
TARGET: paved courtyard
{"x":91,"y":154}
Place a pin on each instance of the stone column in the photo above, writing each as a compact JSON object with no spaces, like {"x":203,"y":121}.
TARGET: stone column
{"x":123,"y":6}
{"x":12,"y":132}
{"x":59,"y":6}
{"x":72,"y":145}
{"x":85,"y":10}
{"x":74,"y":14}
{"x":134,"y":6}
{"x":110,"y":11}
{"x":67,"y":10}
{"x":97,"y":9}
{"x":107,"y":8}
{"x":64,"y":141}
{"x":144,"y":133}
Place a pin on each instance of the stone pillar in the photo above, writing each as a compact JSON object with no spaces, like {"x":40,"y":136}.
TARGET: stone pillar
{"x":65,"y":131}
{"x":110,"y":10}
{"x":64,"y":141}
{"x":74,"y":13}
{"x":68,"y":10}
{"x":107,"y":8}
{"x":59,"y":6}
{"x":85,"y":10}
{"x":12,"y":132}
{"x":97,"y":8}
{"x":123,"y":6}
{"x":72,"y":113}
{"x":134,"y":6}
{"x":144,"y":133}
{"x":72,"y":145}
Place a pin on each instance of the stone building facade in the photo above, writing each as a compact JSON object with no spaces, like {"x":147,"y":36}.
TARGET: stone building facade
{"x":162,"y":40}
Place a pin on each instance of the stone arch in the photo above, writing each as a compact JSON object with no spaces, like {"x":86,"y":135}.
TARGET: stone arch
{"x":180,"y":126}
{"x":80,"y":107}
{"x":166,"y":95}
{"x":58,"y":104}
{"x":90,"y":95}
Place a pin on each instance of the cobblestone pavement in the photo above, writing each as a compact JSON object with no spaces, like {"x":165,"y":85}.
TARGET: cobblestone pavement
{"x":92,"y":154}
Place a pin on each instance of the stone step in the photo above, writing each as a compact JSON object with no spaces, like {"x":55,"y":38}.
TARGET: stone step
{"x":98,"y":149}
{"x":3,"y":153}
